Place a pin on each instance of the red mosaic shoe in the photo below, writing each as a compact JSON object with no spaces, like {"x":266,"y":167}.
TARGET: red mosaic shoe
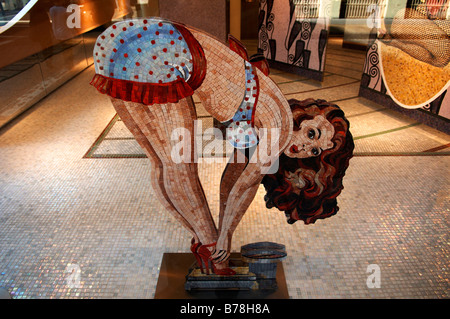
{"x":194,"y":248}
{"x":205,"y":255}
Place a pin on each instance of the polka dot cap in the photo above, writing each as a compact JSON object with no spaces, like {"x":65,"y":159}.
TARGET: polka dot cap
{"x":144,"y":50}
{"x":240,"y":131}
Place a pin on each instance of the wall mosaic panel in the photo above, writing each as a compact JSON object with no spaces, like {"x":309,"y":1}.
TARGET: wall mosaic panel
{"x":293,"y":35}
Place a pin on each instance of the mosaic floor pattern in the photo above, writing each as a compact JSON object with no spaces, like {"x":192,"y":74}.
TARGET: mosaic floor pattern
{"x":64,"y":213}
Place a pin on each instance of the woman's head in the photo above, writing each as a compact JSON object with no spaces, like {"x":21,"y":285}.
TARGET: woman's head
{"x":312,"y":132}
{"x":311,"y":169}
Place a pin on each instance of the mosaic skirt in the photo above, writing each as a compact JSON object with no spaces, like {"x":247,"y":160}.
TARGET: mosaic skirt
{"x":148,"y":61}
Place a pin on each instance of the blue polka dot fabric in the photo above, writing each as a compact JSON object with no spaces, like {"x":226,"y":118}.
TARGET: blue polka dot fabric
{"x":240,"y":131}
{"x":143,"y":50}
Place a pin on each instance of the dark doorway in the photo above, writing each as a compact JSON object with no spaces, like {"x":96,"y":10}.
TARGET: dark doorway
{"x":249,"y":19}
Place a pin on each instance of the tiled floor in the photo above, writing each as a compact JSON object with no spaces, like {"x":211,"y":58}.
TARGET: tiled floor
{"x":60,"y":209}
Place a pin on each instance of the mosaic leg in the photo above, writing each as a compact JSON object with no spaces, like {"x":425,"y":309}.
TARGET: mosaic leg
{"x":274,"y":121}
{"x":179,"y":180}
{"x":230,"y":175}
{"x":239,"y":199}
{"x":157,"y":165}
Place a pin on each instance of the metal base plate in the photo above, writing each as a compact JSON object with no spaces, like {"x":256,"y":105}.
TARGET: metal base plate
{"x":176,"y":266}
{"x":242,"y":280}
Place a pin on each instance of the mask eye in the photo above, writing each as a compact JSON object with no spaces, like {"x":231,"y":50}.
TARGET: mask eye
{"x":315,"y":151}
{"x":311,"y":134}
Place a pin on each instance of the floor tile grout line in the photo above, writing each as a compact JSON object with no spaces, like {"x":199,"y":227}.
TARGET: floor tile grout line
{"x":278,"y":73}
{"x":362,"y":58}
{"x":347,"y":68}
{"x":438,"y":148}
{"x":356,"y":154}
{"x":326,"y":88}
{"x":386,"y":132}
{"x":381,"y":154}
{"x":345,"y":76}
{"x":347,"y":98}
{"x":303,"y":80}
{"x":343,"y":67}
{"x":368,"y":112}
{"x":342,"y":55}
{"x":118,"y":156}
{"x":330,"y":56}
{"x":429,"y":152}
{"x":102,"y":136}
{"x":338,"y":49}
{"x":118,"y":138}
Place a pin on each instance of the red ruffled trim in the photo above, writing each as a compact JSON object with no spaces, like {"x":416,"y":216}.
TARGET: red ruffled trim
{"x":145,"y":93}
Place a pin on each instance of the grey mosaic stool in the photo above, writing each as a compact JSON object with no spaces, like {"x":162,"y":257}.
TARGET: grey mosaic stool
{"x":262,"y":259}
